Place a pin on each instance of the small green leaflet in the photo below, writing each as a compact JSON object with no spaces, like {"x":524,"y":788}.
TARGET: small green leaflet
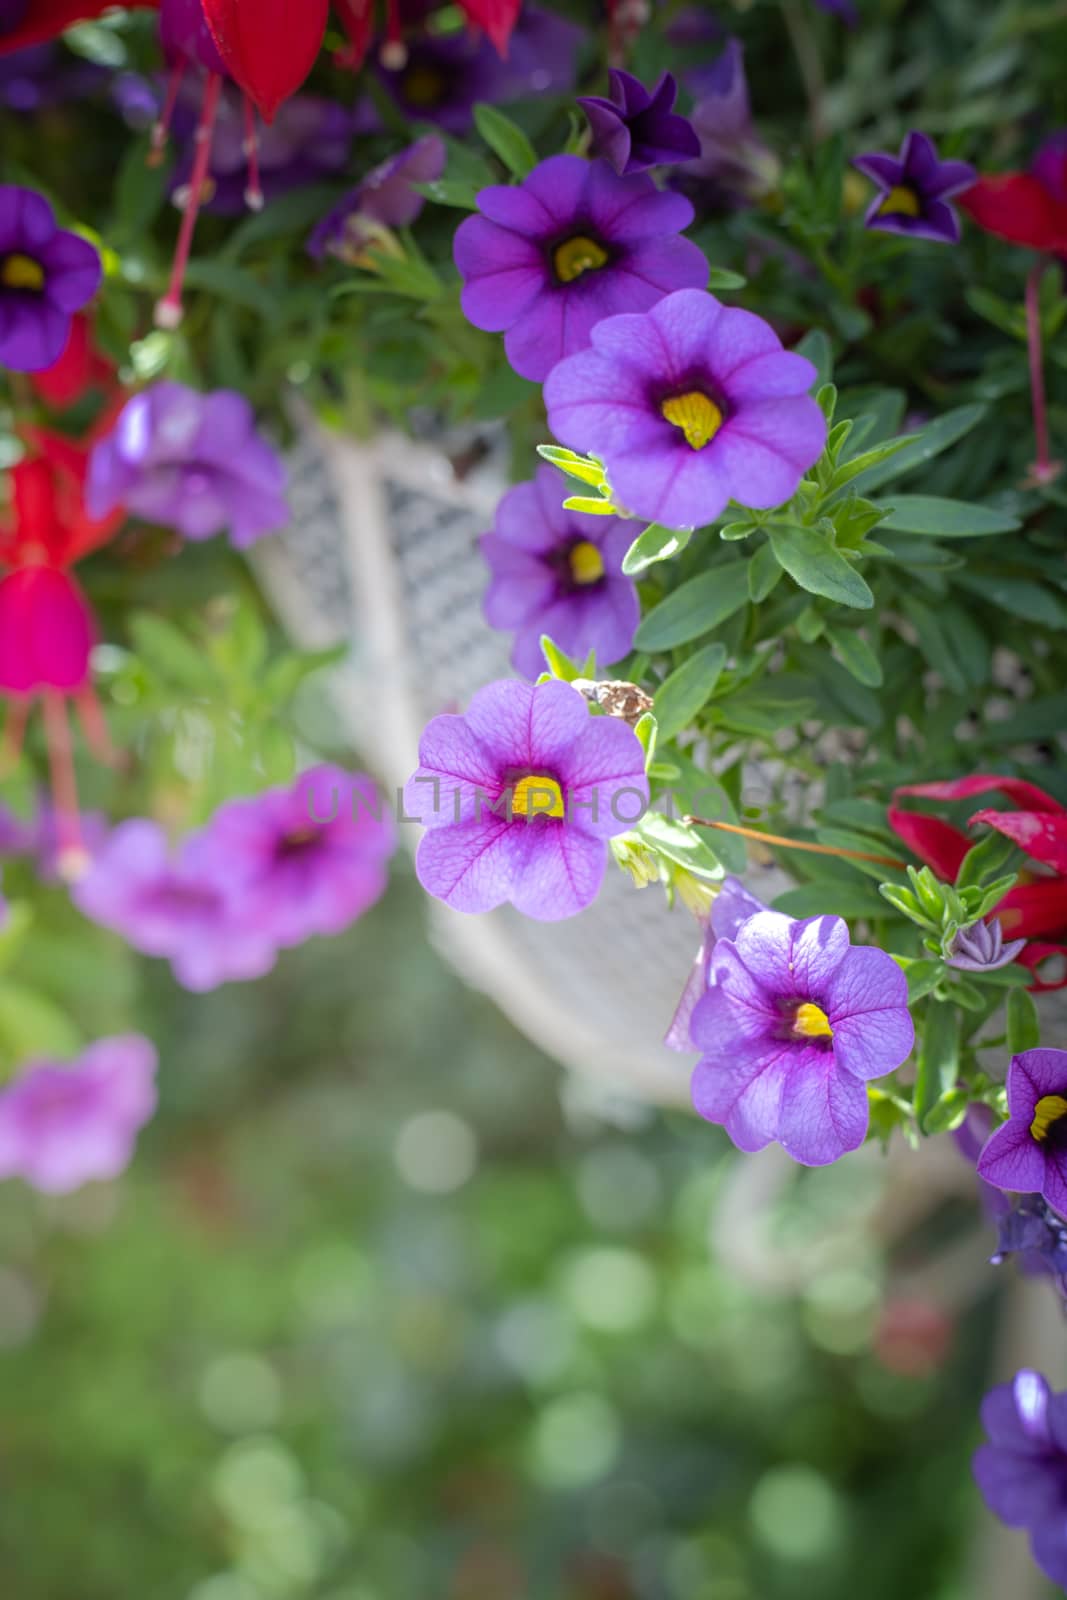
{"x":813,"y":562}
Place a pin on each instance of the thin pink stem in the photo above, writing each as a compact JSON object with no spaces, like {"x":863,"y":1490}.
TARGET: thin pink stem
{"x":394,"y":52}
{"x":253,"y":189}
{"x":161,"y":127}
{"x":71,"y":849}
{"x":1043,"y":467}
{"x":14,"y":733}
{"x":169,"y":309}
{"x":97,"y":736}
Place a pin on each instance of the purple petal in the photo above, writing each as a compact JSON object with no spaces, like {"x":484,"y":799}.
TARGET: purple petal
{"x":670,"y":483}
{"x":885,"y":170}
{"x":630,"y":208}
{"x":1015,"y":1414}
{"x":28,"y":221}
{"x":764,"y":450}
{"x":1020,"y":1490}
{"x":824,"y":1112}
{"x":744,"y":1093}
{"x":773,"y":375}
{"x":32,"y":336}
{"x":593,"y":405}
{"x":1013,"y":1160}
{"x":453,"y":765}
{"x":1031,"y":1075}
{"x":73,"y":270}
{"x":792,"y":958}
{"x":560,"y":870}
{"x":603,"y":773}
{"x":469,"y":867}
{"x":736,"y":1007}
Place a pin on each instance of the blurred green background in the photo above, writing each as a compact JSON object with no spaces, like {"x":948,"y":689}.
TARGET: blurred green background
{"x":378,"y":1313}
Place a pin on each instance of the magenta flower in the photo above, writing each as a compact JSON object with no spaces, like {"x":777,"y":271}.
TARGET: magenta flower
{"x":192,"y":462}
{"x":303,"y":860}
{"x":635,"y":128}
{"x":794,"y":1025}
{"x":519,"y":796}
{"x":184,"y":907}
{"x":913,"y":189}
{"x":384,"y":198}
{"x":559,"y":572}
{"x":1022,"y":1471}
{"x":62,"y":1123}
{"x":573,"y":243}
{"x":689,"y":405}
{"x":1028,"y":1153}
{"x":46,"y":275}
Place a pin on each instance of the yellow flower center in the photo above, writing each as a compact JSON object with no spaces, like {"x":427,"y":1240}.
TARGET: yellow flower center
{"x":423,"y":86}
{"x":698,"y":417}
{"x":537,"y":796}
{"x":811,"y":1022}
{"x":1049,"y":1109}
{"x":586,"y":563}
{"x":577,"y":255}
{"x":901,"y":201}
{"x":21,"y":272}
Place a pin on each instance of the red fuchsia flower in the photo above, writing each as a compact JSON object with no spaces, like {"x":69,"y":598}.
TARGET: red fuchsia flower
{"x":1037,"y":905}
{"x":80,"y":367}
{"x":268,"y":46}
{"x":27,"y":22}
{"x":495,"y":18}
{"x":46,"y":627}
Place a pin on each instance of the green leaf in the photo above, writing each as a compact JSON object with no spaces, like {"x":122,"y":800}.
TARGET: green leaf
{"x":938,"y":1065}
{"x":856,"y":656}
{"x":684,"y":845}
{"x":946,"y":430}
{"x":169,"y":655}
{"x":449,"y":192}
{"x":236,"y":286}
{"x":1024,"y":1028}
{"x":505,"y":139}
{"x":696,"y":607}
{"x":947,"y":519}
{"x":287,"y":213}
{"x":985,"y":859}
{"x":647,"y":730}
{"x":948,"y":1112}
{"x":139,"y":194}
{"x":723,"y":278}
{"x":763,"y":574}
{"x":33,"y":1025}
{"x":591,"y":505}
{"x":681,"y":696}
{"x":1021,"y":596}
{"x":923,"y":977}
{"x":813,"y":562}
{"x":816,"y":346}
{"x":654,"y":544}
{"x":560,"y":664}
{"x":833,"y":896}
{"x":575,"y":466}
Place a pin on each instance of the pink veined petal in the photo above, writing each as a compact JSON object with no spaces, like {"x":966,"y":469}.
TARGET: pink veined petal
{"x":1013,"y":1160}
{"x":603,"y":773}
{"x":559,"y":872}
{"x":736,"y":1007}
{"x":874,"y":1043}
{"x":743,"y":1092}
{"x":592,"y":405}
{"x":469,"y":867}
{"x":453,"y":767}
{"x":669,"y":482}
{"x":1034,"y":1073}
{"x":527,"y":727}
{"x":770,"y":376}
{"x":766,"y":446}
{"x":824,"y":1112}
{"x":740,"y":337}
{"x":793,"y":958}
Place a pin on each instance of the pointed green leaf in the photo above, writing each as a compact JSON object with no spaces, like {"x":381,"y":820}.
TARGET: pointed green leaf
{"x":695,"y":608}
{"x":575,"y":466}
{"x":856,"y":656}
{"x":681,"y":696}
{"x":938,"y":436}
{"x":813,"y":562}
{"x":505,"y":139}
{"x":938,"y":1059}
{"x":946,"y":519}
{"x":654,"y":544}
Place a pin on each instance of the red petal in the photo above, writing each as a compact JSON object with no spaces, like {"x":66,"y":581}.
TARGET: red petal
{"x":1034,"y":908}
{"x":1041,"y":834}
{"x":937,"y":843}
{"x":1032,"y":958}
{"x":269,"y":46}
{"x":357,"y":19}
{"x":1016,"y":206}
{"x":78,"y":368}
{"x":47,"y":18}
{"x":497,"y":17}
{"x":46,"y":632}
{"x":1026,"y":795}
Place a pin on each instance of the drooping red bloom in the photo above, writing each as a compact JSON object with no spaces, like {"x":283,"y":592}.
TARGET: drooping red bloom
{"x":1036,"y":908}
{"x":496,"y":17}
{"x":46,"y":627}
{"x":1026,"y":207}
{"x":79,"y":368}
{"x":46,"y":19}
{"x":268,"y":46}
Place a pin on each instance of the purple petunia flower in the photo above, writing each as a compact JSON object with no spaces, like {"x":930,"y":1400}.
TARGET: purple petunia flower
{"x":734,"y":166}
{"x":519,"y":797}
{"x":689,"y":406}
{"x":732,"y":905}
{"x":46,"y":275}
{"x":573,"y":243}
{"x":63,"y":1123}
{"x":635,"y":129}
{"x":981,"y":948}
{"x":1022,"y":1471}
{"x":185,"y":907}
{"x":384,"y":198}
{"x":913,"y":189}
{"x":191,"y":462}
{"x":303,"y":860}
{"x":1028,"y":1153}
{"x":559,"y":572}
{"x":795,"y":1023}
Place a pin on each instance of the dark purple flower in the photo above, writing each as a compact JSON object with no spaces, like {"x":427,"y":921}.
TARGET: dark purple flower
{"x":549,"y":258}
{"x":1028,"y":1153}
{"x":46,"y":275}
{"x":689,"y":405}
{"x":559,"y":572}
{"x":731,"y":906}
{"x":45,"y":75}
{"x":913,"y":189}
{"x":192,"y":462}
{"x":519,"y":797}
{"x":383,"y":199}
{"x":1030,"y":1229}
{"x":184,"y":907}
{"x":735,"y":166}
{"x":308,"y":141}
{"x":981,"y":948}
{"x":1022,"y":1471}
{"x":635,"y":129}
{"x":794,"y":1024}
{"x":62,"y":1123}
{"x":447,"y":74}
{"x":840,"y":8}
{"x":304,"y":860}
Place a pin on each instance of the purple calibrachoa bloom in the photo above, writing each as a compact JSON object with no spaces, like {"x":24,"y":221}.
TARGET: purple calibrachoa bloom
{"x":519,"y":797}
{"x":192,"y":462}
{"x":732,"y":905}
{"x":307,"y":859}
{"x":735,"y":166}
{"x":184,"y":906}
{"x":981,"y":948}
{"x":689,"y":405}
{"x":383,"y":199}
{"x":547,"y":259}
{"x":1028,"y":1153}
{"x":63,"y":1123}
{"x":1022,"y":1471}
{"x":913,"y":189}
{"x":635,"y":128}
{"x":559,"y":572}
{"x":46,"y":275}
{"x":795,"y":1023}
